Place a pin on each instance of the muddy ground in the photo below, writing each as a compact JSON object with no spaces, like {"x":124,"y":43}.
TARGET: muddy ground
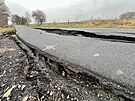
{"x":28,"y":76}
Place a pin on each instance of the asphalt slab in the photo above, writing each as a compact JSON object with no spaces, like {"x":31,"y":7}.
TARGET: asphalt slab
{"x":114,"y":61}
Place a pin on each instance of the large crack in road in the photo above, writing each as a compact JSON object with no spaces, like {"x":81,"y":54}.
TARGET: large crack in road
{"x":90,"y":83}
{"x":60,"y":83}
{"x":113,"y":38}
{"x":46,"y":79}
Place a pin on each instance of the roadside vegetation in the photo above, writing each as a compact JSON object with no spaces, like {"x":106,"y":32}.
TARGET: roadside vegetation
{"x":4,"y":13}
{"x":125,"y":20}
{"x":5,"y":30}
{"x":119,"y":23}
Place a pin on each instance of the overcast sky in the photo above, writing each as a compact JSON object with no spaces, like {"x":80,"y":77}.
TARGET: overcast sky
{"x":43,"y":4}
{"x":63,"y":10}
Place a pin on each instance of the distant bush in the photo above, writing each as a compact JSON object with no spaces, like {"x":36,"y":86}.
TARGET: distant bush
{"x":127,"y":15}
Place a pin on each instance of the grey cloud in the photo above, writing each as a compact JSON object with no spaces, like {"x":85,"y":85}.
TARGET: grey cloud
{"x":84,"y":9}
{"x":17,"y":9}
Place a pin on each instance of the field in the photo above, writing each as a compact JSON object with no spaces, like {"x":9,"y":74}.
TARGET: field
{"x":92,"y":24}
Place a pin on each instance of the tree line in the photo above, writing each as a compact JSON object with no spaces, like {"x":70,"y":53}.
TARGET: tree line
{"x":127,"y":15}
{"x":4,"y":13}
{"x":38,"y":15}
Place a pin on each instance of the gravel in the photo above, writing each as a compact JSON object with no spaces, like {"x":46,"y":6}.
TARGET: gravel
{"x":13,"y":85}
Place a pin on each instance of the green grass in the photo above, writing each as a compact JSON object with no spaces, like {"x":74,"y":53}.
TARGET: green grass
{"x":91,"y":24}
{"x":61,"y":25}
{"x":4,"y":30}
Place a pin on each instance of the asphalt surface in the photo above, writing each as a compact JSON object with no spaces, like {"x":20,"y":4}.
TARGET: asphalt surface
{"x":107,"y":31}
{"x":113,"y":60}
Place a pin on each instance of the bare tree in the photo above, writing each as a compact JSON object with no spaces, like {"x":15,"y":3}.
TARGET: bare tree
{"x":39,"y":16}
{"x":4,"y":13}
{"x":15,"y":19}
{"x":28,"y":17}
{"x":19,"y":20}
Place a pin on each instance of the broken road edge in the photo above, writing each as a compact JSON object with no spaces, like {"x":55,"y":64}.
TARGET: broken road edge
{"x":78,"y":72}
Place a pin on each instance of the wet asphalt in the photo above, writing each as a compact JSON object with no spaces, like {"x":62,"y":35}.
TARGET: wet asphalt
{"x":113,"y":60}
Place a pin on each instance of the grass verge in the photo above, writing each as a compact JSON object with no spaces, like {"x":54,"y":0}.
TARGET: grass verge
{"x":129,"y":24}
{"x":4,"y":30}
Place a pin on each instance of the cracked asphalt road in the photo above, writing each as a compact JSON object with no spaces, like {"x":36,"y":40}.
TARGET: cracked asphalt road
{"x":112,"y":60}
{"x":115,"y":60}
{"x":43,"y":82}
